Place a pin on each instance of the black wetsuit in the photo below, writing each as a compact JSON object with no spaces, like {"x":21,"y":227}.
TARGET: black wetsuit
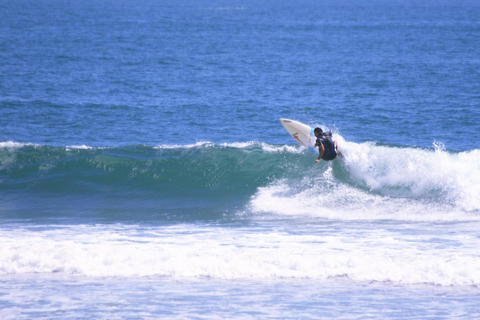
{"x":330,"y":152}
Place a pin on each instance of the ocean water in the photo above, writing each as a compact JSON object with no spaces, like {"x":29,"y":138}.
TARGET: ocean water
{"x":144,"y":173}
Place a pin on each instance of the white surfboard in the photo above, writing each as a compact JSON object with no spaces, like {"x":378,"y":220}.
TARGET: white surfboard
{"x":301,"y":132}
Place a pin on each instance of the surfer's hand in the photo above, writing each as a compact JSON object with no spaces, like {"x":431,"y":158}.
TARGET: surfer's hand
{"x":317,"y":160}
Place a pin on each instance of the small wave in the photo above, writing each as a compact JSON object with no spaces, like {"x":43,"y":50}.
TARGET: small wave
{"x":13,"y":144}
{"x":189,"y":252}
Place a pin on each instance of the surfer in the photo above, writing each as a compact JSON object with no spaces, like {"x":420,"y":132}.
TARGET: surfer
{"x":326,"y":146}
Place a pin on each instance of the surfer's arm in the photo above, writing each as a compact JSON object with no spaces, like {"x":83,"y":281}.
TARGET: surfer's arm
{"x":321,"y":151}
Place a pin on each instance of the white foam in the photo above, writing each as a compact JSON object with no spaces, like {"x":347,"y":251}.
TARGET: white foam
{"x":185,"y":146}
{"x":346,"y":203}
{"x":237,"y":145}
{"x":13,"y":144}
{"x":284,"y":148}
{"x":185,"y":252}
{"x":265,"y":146}
{"x":78,"y":147}
{"x":454,"y":176}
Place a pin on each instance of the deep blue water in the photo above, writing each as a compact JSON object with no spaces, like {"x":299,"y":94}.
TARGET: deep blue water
{"x":141,"y":149}
{"x":150,"y":72}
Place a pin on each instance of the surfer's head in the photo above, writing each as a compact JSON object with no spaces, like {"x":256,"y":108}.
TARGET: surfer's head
{"x":317,"y":132}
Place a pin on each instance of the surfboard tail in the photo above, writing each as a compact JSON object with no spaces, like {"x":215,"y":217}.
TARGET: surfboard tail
{"x":301,"y":132}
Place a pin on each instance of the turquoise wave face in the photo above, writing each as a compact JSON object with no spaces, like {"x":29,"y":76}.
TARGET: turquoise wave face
{"x":165,"y":182}
{"x":163,"y":171}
